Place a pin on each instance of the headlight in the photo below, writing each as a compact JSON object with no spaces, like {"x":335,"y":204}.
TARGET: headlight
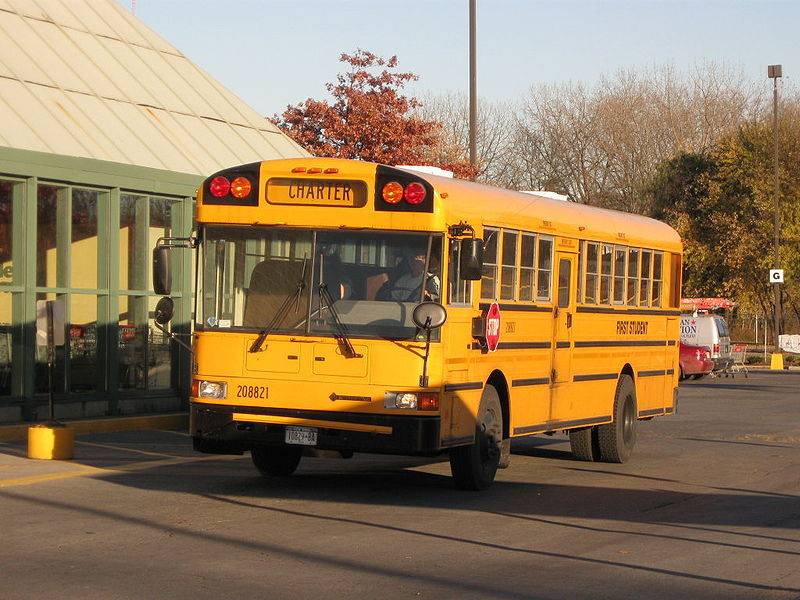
{"x":212,"y":389}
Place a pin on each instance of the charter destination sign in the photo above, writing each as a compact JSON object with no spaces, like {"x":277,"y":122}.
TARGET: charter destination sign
{"x":316,"y":192}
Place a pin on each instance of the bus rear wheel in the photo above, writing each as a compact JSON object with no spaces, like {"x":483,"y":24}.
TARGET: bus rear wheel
{"x":584,"y":444}
{"x":617,"y":439}
{"x":276,"y":461}
{"x":475,"y":466}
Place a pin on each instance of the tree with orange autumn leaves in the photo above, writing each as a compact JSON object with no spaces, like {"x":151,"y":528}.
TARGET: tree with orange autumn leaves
{"x":368,"y":118}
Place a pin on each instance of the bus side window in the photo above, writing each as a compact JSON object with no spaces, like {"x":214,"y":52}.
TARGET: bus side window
{"x":644,"y":293}
{"x":619,"y":274}
{"x":508,"y":270}
{"x":605,"y":274}
{"x":544,"y":272}
{"x":675,"y":279}
{"x":657,"y":258}
{"x":459,"y":291}
{"x":633,"y":276}
{"x":527,"y":267}
{"x":489,"y":279}
{"x":590,"y":289}
{"x":564,"y":277}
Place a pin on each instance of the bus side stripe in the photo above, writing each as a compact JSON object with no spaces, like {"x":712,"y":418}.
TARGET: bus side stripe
{"x":524,"y":345}
{"x":553,"y":425}
{"x":627,"y":311}
{"x":532,"y":381}
{"x":612,"y":343}
{"x":470,"y":385}
{"x":518,"y":307}
{"x":652,"y":411}
{"x":595,"y":377}
{"x":655,"y":373}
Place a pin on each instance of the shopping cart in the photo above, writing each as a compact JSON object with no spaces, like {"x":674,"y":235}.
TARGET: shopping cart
{"x":739,"y":354}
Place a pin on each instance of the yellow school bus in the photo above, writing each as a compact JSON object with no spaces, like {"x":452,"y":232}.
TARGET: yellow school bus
{"x":355,"y":307}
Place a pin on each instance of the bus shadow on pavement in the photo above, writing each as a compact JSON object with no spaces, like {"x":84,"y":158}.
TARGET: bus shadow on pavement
{"x":397,"y":482}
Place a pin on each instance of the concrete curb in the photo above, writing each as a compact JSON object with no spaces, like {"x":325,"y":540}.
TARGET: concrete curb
{"x":19,"y":431}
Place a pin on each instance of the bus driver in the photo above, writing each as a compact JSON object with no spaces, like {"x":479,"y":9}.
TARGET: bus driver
{"x":406,"y":287}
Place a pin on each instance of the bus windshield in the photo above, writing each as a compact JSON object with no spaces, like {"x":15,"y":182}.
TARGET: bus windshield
{"x":301,"y":280}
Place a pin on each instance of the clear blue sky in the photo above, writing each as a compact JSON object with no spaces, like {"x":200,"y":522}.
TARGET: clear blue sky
{"x":275,"y":52}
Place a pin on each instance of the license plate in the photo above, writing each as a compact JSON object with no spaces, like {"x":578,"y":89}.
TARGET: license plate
{"x":303,"y":436}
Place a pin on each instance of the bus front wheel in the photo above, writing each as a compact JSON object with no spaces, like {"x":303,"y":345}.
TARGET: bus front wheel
{"x":617,"y":439}
{"x":475,"y":466}
{"x":276,"y":461}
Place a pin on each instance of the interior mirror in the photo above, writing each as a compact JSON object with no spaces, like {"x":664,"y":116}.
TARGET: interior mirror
{"x":164,"y":310}
{"x":429,"y":315}
{"x":471,"y":259}
{"x":162,"y":274}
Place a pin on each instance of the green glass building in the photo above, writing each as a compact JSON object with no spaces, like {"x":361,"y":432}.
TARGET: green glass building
{"x":106,"y":130}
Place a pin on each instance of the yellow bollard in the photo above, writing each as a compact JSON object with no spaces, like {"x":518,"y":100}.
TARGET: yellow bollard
{"x":776,"y":362}
{"x":51,"y":441}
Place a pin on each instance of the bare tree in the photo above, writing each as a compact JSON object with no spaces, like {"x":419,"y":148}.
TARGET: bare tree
{"x":602,"y":145}
{"x":495,"y":129}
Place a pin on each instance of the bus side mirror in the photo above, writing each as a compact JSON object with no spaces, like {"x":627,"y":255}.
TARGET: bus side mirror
{"x":164,"y":311}
{"x":162,"y":274}
{"x":471,"y":259}
{"x":429,"y":315}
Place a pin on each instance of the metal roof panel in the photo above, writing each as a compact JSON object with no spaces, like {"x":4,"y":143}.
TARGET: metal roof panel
{"x":86,"y":78}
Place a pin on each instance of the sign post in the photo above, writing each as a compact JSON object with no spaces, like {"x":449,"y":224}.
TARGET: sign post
{"x":776,"y":360}
{"x":53,"y":439}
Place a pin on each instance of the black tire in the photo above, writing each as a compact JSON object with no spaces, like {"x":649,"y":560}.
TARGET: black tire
{"x":698,"y":376}
{"x":584,"y":444}
{"x":475,"y":466}
{"x":681,"y":376}
{"x":276,"y":461}
{"x":617,"y":439}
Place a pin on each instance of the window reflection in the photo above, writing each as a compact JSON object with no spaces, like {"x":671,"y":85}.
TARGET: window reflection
{"x":50,"y":218}
{"x":83,"y":251}
{"x":83,"y":343}
{"x":6,"y":229}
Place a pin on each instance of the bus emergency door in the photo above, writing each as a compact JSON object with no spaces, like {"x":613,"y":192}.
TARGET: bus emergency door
{"x":563,"y":315}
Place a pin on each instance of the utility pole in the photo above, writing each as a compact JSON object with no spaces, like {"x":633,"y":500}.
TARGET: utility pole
{"x":774,"y":72}
{"x":473,"y":86}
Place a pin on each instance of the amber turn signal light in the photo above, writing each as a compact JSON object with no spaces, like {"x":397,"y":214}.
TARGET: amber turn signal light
{"x":240,"y":187}
{"x":392,"y":192}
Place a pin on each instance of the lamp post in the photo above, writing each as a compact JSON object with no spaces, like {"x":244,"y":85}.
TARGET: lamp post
{"x":473,"y":100}
{"x":774,"y":72}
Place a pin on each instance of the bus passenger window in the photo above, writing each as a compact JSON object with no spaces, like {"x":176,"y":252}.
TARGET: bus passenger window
{"x":564,"y":277}
{"x":675,"y":279}
{"x":657,"y":258}
{"x":633,"y":276}
{"x":590,"y":292}
{"x":605,"y":274}
{"x":527,"y":267}
{"x":544,"y":275}
{"x":619,"y":275}
{"x":489,"y":279}
{"x":508,"y":279}
{"x":459,"y":291}
{"x":644,"y":293}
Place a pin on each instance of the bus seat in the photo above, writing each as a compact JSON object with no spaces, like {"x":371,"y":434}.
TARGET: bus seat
{"x":374,"y":283}
{"x":271,"y":282}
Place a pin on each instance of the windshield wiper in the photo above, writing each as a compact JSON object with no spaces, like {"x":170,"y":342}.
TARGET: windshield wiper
{"x":341,"y":334}
{"x":283,"y":310}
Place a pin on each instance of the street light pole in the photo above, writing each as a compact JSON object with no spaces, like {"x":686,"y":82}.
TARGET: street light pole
{"x":774,"y":72}
{"x":473,"y":99}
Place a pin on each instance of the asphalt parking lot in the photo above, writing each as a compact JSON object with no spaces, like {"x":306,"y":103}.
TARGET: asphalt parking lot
{"x":709,"y":507}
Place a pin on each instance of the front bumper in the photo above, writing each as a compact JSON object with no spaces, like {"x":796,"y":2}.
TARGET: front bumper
{"x":214,"y":430}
